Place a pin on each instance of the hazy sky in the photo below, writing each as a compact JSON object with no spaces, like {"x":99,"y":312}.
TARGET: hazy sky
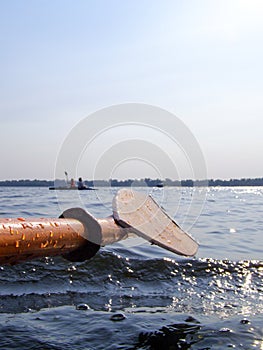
{"x":63,"y":60}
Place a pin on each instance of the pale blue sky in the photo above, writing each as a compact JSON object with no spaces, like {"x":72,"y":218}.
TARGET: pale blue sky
{"x":62,"y":60}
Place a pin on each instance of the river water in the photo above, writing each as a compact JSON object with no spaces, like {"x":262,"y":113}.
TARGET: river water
{"x":133,"y":295}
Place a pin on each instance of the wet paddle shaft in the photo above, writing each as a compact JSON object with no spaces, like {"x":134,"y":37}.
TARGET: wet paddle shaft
{"x":77,"y":235}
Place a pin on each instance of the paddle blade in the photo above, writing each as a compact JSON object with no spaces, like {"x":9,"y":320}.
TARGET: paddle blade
{"x":148,"y":220}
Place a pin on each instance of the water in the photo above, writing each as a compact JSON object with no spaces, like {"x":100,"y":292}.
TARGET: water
{"x":133,"y":295}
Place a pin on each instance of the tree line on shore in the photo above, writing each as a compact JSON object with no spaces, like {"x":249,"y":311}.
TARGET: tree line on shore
{"x":147,"y":182}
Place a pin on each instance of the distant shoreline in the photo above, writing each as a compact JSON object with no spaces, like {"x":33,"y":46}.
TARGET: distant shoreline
{"x":140,"y":183}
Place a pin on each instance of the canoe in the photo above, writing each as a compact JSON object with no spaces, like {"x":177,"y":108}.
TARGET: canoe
{"x":73,"y":188}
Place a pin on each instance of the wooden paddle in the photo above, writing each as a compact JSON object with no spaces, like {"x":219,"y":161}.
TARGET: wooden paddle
{"x":77,"y":235}
{"x":147,"y":219}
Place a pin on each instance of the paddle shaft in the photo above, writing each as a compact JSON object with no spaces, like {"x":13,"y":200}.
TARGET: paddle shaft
{"x":24,"y":239}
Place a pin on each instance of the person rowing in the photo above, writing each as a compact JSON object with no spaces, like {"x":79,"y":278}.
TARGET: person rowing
{"x":81,"y":185}
{"x":72,"y":183}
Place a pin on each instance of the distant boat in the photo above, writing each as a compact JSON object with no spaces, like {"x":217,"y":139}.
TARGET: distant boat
{"x":160,"y":184}
{"x":61,"y":188}
{"x":71,"y":185}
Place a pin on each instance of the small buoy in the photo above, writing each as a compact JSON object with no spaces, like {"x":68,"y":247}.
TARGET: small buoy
{"x":82,"y":307}
{"x":118,"y":317}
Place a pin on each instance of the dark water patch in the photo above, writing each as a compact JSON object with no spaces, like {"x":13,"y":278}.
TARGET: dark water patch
{"x":176,"y":336}
{"x":216,"y":334}
{"x":148,"y":329}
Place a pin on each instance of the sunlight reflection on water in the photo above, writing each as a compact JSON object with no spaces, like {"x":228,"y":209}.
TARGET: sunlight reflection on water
{"x":213,"y":300}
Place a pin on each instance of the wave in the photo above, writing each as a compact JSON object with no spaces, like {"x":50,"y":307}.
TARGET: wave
{"x":112,"y":281}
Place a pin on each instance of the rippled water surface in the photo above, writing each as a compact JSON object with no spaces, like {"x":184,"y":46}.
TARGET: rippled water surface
{"x":133,"y":295}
